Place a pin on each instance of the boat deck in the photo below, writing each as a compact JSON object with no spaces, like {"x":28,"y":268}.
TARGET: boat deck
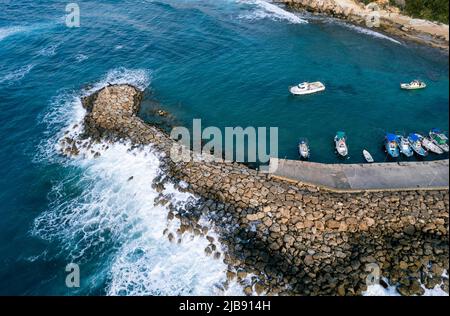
{"x":357,"y":177}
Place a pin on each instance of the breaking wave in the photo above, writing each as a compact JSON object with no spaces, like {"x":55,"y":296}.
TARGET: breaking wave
{"x":378,"y":290}
{"x":66,"y":113}
{"x":106,"y":208}
{"x":372,"y":33}
{"x":267,"y":10}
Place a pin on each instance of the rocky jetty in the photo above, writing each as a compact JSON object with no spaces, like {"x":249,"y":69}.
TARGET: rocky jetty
{"x":391,"y":21}
{"x":288,"y":238}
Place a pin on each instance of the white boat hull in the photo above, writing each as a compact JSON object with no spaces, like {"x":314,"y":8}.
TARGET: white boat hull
{"x":408,"y":86}
{"x":430,"y":146}
{"x":444,"y":147}
{"x":368,"y":156}
{"x":313,"y":87}
{"x":342,"y":151}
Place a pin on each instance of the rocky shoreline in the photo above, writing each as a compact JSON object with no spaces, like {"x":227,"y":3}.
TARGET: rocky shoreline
{"x":278,"y":237}
{"x":391,"y":21}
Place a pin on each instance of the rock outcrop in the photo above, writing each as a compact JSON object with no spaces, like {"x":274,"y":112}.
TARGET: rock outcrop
{"x":390,"y":20}
{"x":292,"y":238}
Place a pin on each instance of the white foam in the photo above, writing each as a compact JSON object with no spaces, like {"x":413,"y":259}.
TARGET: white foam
{"x":369,"y":32}
{"x":115,"y":210}
{"x":112,"y":215}
{"x":49,"y":50}
{"x":267,"y":10}
{"x":8,"y":31}
{"x":391,"y":290}
{"x":16,"y":75}
{"x":11,"y":30}
{"x":80,"y":58}
{"x":66,"y":114}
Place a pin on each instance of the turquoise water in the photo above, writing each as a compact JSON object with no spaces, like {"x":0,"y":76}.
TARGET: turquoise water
{"x":227,"y":62}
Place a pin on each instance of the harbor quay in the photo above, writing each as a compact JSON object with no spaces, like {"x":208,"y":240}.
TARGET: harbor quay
{"x":307,"y":229}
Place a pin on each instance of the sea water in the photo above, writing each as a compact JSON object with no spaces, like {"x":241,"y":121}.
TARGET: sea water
{"x":226,"y":62}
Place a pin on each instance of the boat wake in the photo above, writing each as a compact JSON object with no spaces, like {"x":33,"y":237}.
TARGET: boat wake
{"x":107,"y":211}
{"x":267,"y":10}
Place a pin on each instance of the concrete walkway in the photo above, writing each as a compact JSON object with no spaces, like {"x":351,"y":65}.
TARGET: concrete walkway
{"x":379,"y":176}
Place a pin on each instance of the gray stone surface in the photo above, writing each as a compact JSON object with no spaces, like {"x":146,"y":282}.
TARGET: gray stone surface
{"x":410,"y":175}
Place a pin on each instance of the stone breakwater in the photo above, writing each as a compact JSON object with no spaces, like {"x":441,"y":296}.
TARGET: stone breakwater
{"x":390,"y":19}
{"x":286,"y":238}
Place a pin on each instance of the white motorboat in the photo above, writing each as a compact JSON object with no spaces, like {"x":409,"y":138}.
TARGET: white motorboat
{"x":431,"y":146}
{"x":303,"y":148}
{"x":307,"y":88}
{"x":341,"y":144}
{"x":368,"y":156}
{"x":413,"y":85}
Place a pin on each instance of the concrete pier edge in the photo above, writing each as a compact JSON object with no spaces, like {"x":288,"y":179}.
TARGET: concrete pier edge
{"x":324,"y":176}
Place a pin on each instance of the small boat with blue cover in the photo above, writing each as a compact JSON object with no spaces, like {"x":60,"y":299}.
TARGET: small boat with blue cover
{"x":391,"y":145}
{"x":405,"y":146}
{"x":416,"y":144}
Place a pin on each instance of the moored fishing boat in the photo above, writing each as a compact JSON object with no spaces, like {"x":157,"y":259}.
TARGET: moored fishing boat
{"x":429,"y":145}
{"x":368,"y":156}
{"x":391,"y":145}
{"x":303,"y":148}
{"x":440,"y":139}
{"x":416,"y":144}
{"x":413,"y":85}
{"x":405,"y":146}
{"x":307,"y":88}
{"x":340,"y":141}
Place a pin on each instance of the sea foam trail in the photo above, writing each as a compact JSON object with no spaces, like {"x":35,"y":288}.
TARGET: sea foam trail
{"x":11,"y":30}
{"x":16,"y":75}
{"x":269,"y":10}
{"x":372,"y":33}
{"x":107,"y":212}
{"x":8,"y":31}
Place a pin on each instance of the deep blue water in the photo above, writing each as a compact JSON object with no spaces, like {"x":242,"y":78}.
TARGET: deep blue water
{"x":227,"y":62}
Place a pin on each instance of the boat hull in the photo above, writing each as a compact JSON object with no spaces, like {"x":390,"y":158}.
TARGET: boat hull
{"x":405,"y":87}
{"x":394,"y":153}
{"x":440,"y":140}
{"x":368,"y":156}
{"x":315,"y":87}
{"x":432,"y":147}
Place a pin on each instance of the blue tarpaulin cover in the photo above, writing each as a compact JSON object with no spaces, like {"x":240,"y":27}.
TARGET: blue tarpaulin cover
{"x":391,"y":137}
{"x":414,"y":137}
